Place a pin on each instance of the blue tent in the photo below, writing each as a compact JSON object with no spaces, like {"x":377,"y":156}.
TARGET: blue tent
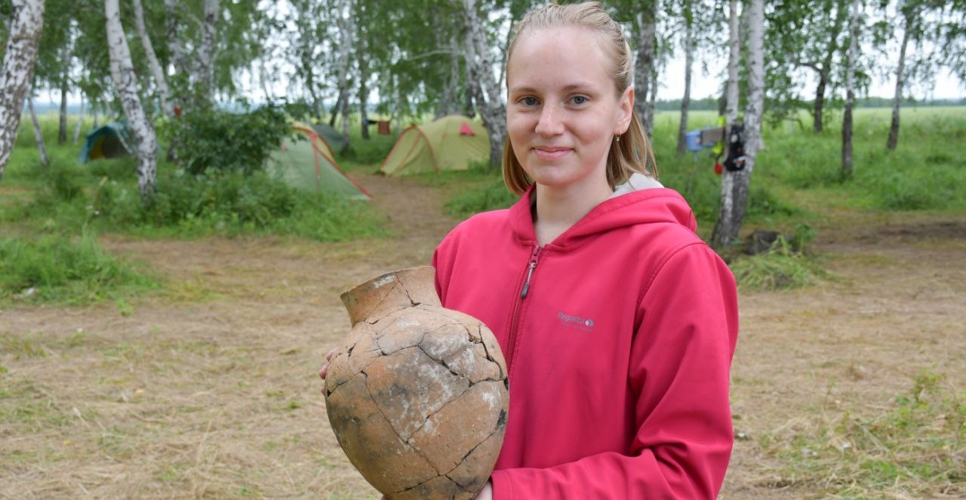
{"x":109,"y":141}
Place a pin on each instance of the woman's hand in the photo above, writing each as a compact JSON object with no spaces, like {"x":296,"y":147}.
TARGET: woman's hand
{"x":486,"y":493}
{"x":325,"y":368}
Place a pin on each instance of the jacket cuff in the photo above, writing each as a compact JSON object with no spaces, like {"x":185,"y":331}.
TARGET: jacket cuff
{"x":502,"y":487}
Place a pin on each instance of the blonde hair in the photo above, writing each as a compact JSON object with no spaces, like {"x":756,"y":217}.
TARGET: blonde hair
{"x":632,"y":153}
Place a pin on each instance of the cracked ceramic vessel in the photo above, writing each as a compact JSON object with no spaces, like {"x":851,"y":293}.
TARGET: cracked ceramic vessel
{"x":417,"y":394}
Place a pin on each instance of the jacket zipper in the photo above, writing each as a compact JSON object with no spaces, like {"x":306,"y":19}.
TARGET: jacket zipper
{"x":515,"y":325}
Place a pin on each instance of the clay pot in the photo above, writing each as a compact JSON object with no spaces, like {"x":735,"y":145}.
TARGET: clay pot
{"x":417,"y":394}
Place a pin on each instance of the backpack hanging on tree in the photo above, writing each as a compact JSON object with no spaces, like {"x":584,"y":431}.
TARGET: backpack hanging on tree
{"x":736,"y":148}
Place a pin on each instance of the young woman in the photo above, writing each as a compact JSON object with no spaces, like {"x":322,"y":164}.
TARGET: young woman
{"x":618,"y":324}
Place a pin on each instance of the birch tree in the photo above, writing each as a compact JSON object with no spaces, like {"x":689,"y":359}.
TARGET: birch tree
{"x":911,"y":11}
{"x":172,"y":24}
{"x":80,"y":121}
{"x":952,"y":33}
{"x":52,"y":69}
{"x":159,"y":77}
{"x":19,"y":57}
{"x":307,"y":49}
{"x":205,"y":57}
{"x":362,"y":47}
{"x":734,"y":199}
{"x":125,"y":81}
{"x":64,"y":88}
{"x":480,"y":62}
{"x":38,"y":134}
{"x":734,"y":59}
{"x":644,"y":66}
{"x":344,"y":24}
{"x":850,"y":89}
{"x":726,"y":206}
{"x":687,"y":14}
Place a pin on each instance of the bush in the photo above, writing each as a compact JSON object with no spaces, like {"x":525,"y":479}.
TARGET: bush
{"x":231,"y":203}
{"x":219,"y":140}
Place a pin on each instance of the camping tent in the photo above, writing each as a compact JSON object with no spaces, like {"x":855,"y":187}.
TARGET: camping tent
{"x":108,"y":141}
{"x":449,"y":143}
{"x":307,"y":162}
{"x":330,"y":135}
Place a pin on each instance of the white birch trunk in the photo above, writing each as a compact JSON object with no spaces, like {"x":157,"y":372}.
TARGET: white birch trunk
{"x":447,"y":103}
{"x":19,"y":57}
{"x":122,"y":73}
{"x":688,"y":69}
{"x":173,"y":28}
{"x":850,"y":89}
{"x":38,"y":134}
{"x":658,"y":66}
{"x":205,"y":61}
{"x":910,"y":19}
{"x":62,"y":125}
{"x":343,"y":22}
{"x":644,"y":67}
{"x":160,"y":80}
{"x":80,"y":121}
{"x":726,"y":204}
{"x":734,"y":58}
{"x":478,"y":56}
{"x":734,"y":193}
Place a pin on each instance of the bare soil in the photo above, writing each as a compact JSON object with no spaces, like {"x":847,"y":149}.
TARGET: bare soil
{"x":210,"y":390}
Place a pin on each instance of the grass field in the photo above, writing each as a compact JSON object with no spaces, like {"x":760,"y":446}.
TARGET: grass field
{"x":179,"y":360}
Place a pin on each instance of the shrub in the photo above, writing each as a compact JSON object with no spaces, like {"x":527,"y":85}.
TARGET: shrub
{"x":218,"y":140}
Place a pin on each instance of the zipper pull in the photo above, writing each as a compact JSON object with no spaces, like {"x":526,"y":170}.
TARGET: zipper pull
{"x":533,"y":265}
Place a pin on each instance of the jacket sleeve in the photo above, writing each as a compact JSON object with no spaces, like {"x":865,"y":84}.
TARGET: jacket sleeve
{"x":679,"y":374}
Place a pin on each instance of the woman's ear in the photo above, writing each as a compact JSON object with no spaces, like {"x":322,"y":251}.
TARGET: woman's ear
{"x":625,"y":108}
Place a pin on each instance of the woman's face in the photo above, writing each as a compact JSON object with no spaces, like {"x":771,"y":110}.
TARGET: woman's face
{"x":563,"y":111}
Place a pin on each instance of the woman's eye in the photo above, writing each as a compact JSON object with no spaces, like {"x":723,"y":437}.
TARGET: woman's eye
{"x":579,"y":99}
{"x":529,"y":101}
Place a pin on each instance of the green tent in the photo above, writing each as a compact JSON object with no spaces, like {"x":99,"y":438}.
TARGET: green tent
{"x":109,"y":141}
{"x":330,"y":135}
{"x":307,"y":162}
{"x":449,"y":143}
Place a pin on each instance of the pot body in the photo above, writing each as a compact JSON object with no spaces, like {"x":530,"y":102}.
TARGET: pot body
{"x":417,"y":394}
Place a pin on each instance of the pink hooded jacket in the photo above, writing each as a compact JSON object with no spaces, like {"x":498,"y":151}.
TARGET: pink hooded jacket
{"x":618,"y":337}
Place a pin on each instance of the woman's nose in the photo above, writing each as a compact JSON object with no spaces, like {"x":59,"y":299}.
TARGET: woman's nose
{"x":549,"y":122}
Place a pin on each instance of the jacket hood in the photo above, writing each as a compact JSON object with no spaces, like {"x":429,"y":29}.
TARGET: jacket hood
{"x":641,"y":200}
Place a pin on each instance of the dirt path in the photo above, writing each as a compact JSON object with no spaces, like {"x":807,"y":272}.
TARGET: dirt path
{"x":210,"y":391}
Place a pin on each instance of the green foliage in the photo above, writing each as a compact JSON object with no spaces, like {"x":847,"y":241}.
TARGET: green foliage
{"x":922,"y":174}
{"x":916,"y":445}
{"x":231,"y":203}
{"x":368,"y":153}
{"x":103,"y":195}
{"x":218,"y":140}
{"x":68,"y":270}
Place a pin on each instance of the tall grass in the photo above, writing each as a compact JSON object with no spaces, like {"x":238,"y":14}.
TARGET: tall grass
{"x":65,"y":269}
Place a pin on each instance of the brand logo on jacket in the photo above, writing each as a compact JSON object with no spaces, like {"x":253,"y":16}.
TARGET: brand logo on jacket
{"x":583,"y":324}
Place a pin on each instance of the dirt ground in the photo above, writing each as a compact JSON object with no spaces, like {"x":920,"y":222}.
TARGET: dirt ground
{"x":210,"y":390}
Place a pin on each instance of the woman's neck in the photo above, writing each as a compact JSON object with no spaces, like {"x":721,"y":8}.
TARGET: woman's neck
{"x":558,"y":210}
